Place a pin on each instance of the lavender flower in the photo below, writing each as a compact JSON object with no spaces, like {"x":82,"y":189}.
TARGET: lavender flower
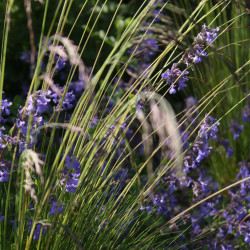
{"x":72,"y":183}
{"x":5,"y":109}
{"x":40,"y":103}
{"x":236,"y":129}
{"x":60,"y":62}
{"x":147,"y":208}
{"x":190,"y":102}
{"x":207,"y":35}
{"x":56,"y":208}
{"x":67,"y":102}
{"x":77,"y":87}
{"x":209,"y":128}
{"x":4,"y":175}
{"x":236,"y":215}
{"x":146,"y":49}
{"x":121,"y":175}
{"x":37,"y":105}
{"x":227,"y":147}
{"x":197,"y":54}
{"x":173,"y":76}
{"x":38,"y":229}
{"x":244,"y":229}
{"x":201,"y":149}
{"x":71,"y":179}
{"x":152,"y":46}
{"x":157,"y":15}
{"x":185,"y":143}
{"x":5,"y":167}
{"x":5,"y":106}
{"x":244,"y":170}
{"x":246,"y":114}
{"x":3,"y":142}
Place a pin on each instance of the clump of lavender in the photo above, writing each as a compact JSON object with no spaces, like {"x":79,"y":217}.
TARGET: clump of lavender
{"x":194,"y":55}
{"x":39,"y":104}
{"x":166,"y":201}
{"x":197,"y":54}
{"x":236,"y":214}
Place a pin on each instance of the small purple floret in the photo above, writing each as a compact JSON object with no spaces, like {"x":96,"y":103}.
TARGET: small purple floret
{"x":56,"y":208}
{"x":173,"y":76}
{"x":236,"y":129}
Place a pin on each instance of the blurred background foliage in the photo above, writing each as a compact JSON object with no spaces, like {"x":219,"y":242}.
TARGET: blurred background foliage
{"x":17,"y":72}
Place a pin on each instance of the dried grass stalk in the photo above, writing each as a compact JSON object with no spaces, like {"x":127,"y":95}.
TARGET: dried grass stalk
{"x":31,"y":164}
{"x":164,"y":123}
{"x":147,"y":141}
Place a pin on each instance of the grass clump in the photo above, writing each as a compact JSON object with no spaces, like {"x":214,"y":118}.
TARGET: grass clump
{"x":128,"y":127}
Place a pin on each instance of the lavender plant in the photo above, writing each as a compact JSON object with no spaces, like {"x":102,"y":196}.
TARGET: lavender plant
{"x":144,"y":147}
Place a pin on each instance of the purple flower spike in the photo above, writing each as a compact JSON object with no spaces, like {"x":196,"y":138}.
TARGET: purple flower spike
{"x":56,"y":208}
{"x":4,"y":171}
{"x":197,"y":54}
{"x":5,"y":109}
{"x":175,"y":75}
{"x":5,"y":106}
{"x":236,"y":129}
{"x":209,"y":128}
{"x":246,"y":114}
{"x":72,"y":164}
{"x":4,"y":175}
{"x":41,"y":102}
{"x":227,"y":147}
{"x":72,"y":182}
{"x":245,"y":170}
{"x":207,"y":35}
{"x":67,"y":103}
{"x":71,"y":174}
{"x":201,"y":148}
{"x":37,"y":232}
{"x":60,"y":62}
